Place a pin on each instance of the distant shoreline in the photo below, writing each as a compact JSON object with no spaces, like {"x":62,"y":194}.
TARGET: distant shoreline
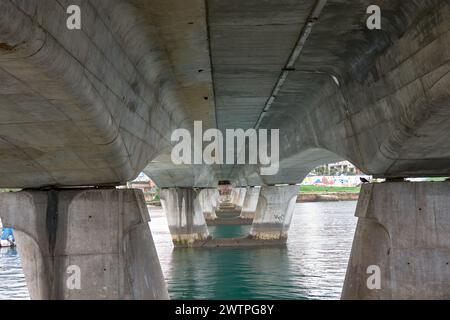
{"x":327,"y":197}
{"x":314,"y":194}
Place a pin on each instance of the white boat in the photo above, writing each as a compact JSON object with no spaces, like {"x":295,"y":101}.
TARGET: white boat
{"x":6,"y":243}
{"x":8,"y":240}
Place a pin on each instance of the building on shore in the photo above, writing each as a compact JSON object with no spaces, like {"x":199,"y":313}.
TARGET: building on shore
{"x":337,"y":169}
{"x":148,"y":187}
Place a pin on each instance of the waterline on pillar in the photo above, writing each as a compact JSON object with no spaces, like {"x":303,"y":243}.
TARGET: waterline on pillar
{"x":274,"y":212}
{"x":180,"y":239}
{"x":99,"y":247}
{"x":268,"y":231}
{"x":184,"y":213}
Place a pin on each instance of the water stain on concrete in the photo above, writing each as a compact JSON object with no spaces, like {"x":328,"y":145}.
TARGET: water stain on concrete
{"x":6,"y":47}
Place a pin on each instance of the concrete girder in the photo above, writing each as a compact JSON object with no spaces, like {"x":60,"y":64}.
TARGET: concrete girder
{"x":96,"y":105}
{"x":390,"y":117}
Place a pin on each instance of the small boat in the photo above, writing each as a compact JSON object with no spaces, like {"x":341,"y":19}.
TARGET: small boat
{"x":7,"y":238}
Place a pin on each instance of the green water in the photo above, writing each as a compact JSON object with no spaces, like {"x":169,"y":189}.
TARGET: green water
{"x":229,"y":231}
{"x":12,"y":279}
{"x":311,"y":266}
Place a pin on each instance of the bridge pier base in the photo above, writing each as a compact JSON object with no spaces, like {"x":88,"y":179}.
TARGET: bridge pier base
{"x":401,"y":248}
{"x":274,"y":212}
{"x":209,"y":200}
{"x":250,"y":203}
{"x":184,"y":215}
{"x":84,"y":244}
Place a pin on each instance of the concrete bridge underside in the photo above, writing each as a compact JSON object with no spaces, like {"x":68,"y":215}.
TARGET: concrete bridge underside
{"x":94,"y":107}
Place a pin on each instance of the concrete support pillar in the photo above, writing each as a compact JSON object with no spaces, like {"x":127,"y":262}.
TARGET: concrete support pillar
{"x":234,"y":196}
{"x":250,"y":203}
{"x":85,"y":244}
{"x":274,"y":212}
{"x":209,"y":200}
{"x":184,"y":215}
{"x":241,"y":197}
{"x":224,"y":198}
{"x":401,"y":248}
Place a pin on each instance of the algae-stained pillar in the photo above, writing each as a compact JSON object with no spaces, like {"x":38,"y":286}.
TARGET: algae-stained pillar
{"x":250,"y":203}
{"x":401,"y":248}
{"x":184,"y":215}
{"x":240,"y":197}
{"x":274,"y":212}
{"x":85,"y":244}
{"x":234,"y":196}
{"x":209,"y":201}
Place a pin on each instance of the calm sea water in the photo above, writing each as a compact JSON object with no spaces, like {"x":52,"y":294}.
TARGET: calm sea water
{"x":311,"y":266}
{"x":12,"y":280}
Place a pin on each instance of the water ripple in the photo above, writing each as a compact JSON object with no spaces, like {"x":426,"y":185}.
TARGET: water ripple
{"x":312,"y":266}
{"x":12,"y":280}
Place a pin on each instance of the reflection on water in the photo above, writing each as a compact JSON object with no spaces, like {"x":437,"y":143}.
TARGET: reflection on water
{"x":311,"y":266}
{"x":229,"y":231}
{"x":12,"y":280}
{"x":230,"y":273}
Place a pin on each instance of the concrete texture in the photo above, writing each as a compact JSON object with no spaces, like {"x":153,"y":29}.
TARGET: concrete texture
{"x":103,"y":232}
{"x":228,"y":213}
{"x":238,"y":197}
{"x":234,"y":221}
{"x":234,"y":195}
{"x":387,"y":110}
{"x":246,"y":242}
{"x":209,"y":201}
{"x":404,"y":229}
{"x":184,"y":215}
{"x":331,"y":197}
{"x":88,"y":107}
{"x":250,"y":202}
{"x":274,"y":212}
{"x":227,"y":209}
{"x":241,"y":197}
{"x":96,"y":106}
